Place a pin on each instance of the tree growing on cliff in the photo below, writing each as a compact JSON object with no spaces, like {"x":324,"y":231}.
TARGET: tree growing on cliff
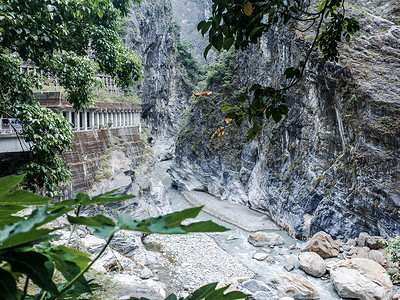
{"x":240,"y":23}
{"x":74,"y":41}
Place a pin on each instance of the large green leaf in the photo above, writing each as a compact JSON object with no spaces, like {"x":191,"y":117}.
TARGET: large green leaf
{"x":38,"y":267}
{"x":8,"y":183}
{"x":84,"y":199}
{"x":30,"y":237}
{"x":22,"y":231}
{"x":110,"y":196}
{"x":80,"y":258}
{"x":6,"y":214}
{"x":209,"y":292}
{"x":168,"y":224}
{"x":23,"y":197}
{"x":8,"y":286}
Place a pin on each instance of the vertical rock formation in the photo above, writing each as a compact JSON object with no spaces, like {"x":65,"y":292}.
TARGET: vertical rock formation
{"x":333,"y":163}
{"x":165,"y":87}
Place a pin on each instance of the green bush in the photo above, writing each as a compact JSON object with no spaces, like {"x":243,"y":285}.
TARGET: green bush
{"x":392,"y":247}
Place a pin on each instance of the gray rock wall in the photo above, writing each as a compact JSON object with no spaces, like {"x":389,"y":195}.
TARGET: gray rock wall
{"x":164,"y":88}
{"x":332,"y":164}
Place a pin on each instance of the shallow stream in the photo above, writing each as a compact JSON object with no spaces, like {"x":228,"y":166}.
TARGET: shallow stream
{"x":235,"y":242}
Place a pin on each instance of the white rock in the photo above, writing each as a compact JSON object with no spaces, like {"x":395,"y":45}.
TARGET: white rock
{"x":262,"y":239}
{"x":360,"y":252}
{"x":128,"y":286}
{"x":231,"y":238}
{"x":361,"y":278}
{"x":292,"y":285}
{"x":362,"y":239}
{"x":291,"y":263}
{"x":93,"y":244}
{"x":377,"y":256}
{"x":146,"y":273}
{"x":322,"y":244}
{"x":286,"y":298}
{"x":260,"y":256}
{"x":312,"y":264}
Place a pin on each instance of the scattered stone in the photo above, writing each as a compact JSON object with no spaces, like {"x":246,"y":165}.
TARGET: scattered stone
{"x":362,"y":239}
{"x":93,"y":244}
{"x":352,"y":242}
{"x":260,"y":256}
{"x":396,"y":297}
{"x":260,"y":295}
{"x":338,"y":243}
{"x":322,"y":244}
{"x":360,"y":252}
{"x":286,"y":298}
{"x":375,"y":242}
{"x":291,"y":263}
{"x":146,"y":273}
{"x":231,"y":238}
{"x":292,"y":285}
{"x":262,"y":239}
{"x":252,"y":286}
{"x":361,"y":278}
{"x":330,"y":262}
{"x":377,"y":256}
{"x":128,"y":286}
{"x":312,"y":264}
{"x":292,"y":247}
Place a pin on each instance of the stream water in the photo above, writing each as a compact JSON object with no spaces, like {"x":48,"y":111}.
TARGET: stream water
{"x":241,"y":249}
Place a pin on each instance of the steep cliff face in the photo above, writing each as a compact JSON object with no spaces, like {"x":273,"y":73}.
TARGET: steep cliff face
{"x":333,"y":163}
{"x":164,"y":87}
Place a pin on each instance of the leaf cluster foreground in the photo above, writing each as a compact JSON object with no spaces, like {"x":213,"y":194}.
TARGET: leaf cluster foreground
{"x":27,"y":252}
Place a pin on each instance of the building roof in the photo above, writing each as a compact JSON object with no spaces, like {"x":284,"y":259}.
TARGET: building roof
{"x":54,"y":100}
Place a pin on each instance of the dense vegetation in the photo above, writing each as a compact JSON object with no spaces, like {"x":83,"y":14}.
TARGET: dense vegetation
{"x":72,"y":40}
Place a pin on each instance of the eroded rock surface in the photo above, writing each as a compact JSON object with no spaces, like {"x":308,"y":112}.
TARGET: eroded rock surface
{"x":361,"y":278}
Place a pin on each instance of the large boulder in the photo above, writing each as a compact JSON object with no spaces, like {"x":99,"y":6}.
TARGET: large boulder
{"x":292,"y":285}
{"x":322,"y":244}
{"x":262,"y":239}
{"x":373,"y":242}
{"x":312,"y":264}
{"x":361,"y":278}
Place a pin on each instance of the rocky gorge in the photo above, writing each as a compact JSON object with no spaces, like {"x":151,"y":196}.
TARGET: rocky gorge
{"x":332,"y":163}
{"x":327,"y":174}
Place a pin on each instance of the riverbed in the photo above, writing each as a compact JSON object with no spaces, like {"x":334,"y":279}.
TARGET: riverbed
{"x":233,"y":243}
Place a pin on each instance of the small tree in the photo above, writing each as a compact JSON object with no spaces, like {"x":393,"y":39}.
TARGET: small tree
{"x":72,"y":40}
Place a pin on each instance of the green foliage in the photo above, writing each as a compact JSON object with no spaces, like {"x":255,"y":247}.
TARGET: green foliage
{"x":184,"y":56}
{"x":392,"y":246}
{"x":55,"y":36}
{"x":208,"y":292}
{"x":221,"y":73}
{"x":239,"y":23}
{"x":25,"y":248}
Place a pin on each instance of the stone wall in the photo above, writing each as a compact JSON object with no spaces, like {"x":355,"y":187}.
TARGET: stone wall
{"x":90,"y":146}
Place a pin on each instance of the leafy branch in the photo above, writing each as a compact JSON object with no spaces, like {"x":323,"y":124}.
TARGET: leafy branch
{"x":25,"y":242}
{"x":241,"y":23}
